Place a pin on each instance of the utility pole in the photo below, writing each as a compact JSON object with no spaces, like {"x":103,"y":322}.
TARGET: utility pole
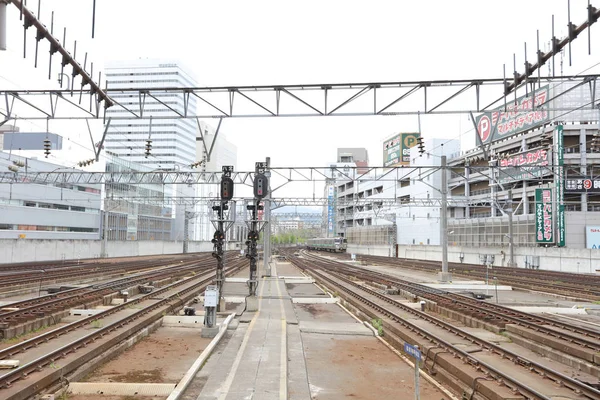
{"x":511,"y":241}
{"x":3,"y":24}
{"x":104,"y":244}
{"x":267,"y":225}
{"x":444,"y":276}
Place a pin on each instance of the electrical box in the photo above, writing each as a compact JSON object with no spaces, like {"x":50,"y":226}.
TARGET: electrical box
{"x":211,"y":296}
{"x":226,"y":188}
{"x":261,"y":186}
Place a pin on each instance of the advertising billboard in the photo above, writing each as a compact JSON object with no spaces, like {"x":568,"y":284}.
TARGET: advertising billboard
{"x":330,"y":209}
{"x":532,"y":164}
{"x":396,"y":150}
{"x":592,"y":237}
{"x":544,"y":223}
{"x":582,"y":184}
{"x":391,"y":151}
{"x":559,"y":157}
{"x":520,"y":115}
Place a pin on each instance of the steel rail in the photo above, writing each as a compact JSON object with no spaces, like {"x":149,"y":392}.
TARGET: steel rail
{"x":35,"y":365}
{"x":562,"y":379}
{"x":519,"y":280}
{"x":31,"y":311}
{"x":496,"y":311}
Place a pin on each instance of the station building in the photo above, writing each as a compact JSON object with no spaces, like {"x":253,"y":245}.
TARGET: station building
{"x":47,"y":211}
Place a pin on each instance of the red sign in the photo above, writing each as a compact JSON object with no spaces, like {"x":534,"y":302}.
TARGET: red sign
{"x":536,"y":157}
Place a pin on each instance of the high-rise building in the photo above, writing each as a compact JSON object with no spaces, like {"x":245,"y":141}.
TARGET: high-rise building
{"x":173,"y":140}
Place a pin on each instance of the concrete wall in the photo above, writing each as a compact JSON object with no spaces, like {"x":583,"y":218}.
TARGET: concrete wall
{"x":373,"y":250}
{"x":551,"y":258}
{"x":12,"y":251}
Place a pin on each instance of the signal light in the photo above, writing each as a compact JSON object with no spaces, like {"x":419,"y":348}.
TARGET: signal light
{"x":47,"y":147}
{"x":148,"y":147}
{"x":226,"y":188}
{"x":261,"y":186}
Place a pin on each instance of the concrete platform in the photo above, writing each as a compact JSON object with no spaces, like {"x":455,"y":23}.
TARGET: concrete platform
{"x":551,"y":310}
{"x":314,"y":300}
{"x":257,"y":349}
{"x":121,"y":389}
{"x":335,"y":328}
{"x":467,"y":286}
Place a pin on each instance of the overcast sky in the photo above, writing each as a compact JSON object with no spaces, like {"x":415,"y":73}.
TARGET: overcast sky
{"x":285,"y":42}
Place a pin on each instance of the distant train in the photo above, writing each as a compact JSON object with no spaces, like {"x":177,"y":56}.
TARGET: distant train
{"x":336,"y":244}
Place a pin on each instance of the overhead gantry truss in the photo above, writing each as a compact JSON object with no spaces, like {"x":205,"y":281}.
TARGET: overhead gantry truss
{"x":380,"y":203}
{"x":316,"y":100}
{"x":280,"y":176}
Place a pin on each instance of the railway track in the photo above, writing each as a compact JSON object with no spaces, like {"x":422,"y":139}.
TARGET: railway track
{"x":56,"y":273}
{"x":583,"y":287}
{"x":370,"y":302}
{"x":490,"y":313}
{"x":28,"y":310}
{"x":13,"y":386}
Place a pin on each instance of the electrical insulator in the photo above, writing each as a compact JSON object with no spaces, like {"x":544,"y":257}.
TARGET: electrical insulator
{"x":545,"y":139}
{"x":13,"y":168}
{"x":19,"y":163}
{"x":47,"y":147}
{"x":86,"y":162}
{"x":226,"y":188}
{"x":595,"y":142}
{"x":148,"y":147}
{"x":420,"y":145}
{"x":261,"y":186}
{"x":196,"y":164}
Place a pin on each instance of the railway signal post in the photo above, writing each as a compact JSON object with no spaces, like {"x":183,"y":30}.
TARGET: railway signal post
{"x":222,"y":224}
{"x":261,"y":189}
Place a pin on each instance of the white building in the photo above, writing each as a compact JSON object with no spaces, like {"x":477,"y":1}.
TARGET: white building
{"x":173,"y":140}
{"x":223,"y":153}
{"x":46,"y":211}
{"x":418,"y":224}
{"x":361,"y":212}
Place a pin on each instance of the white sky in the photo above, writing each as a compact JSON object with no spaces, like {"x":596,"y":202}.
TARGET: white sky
{"x":277,"y":42}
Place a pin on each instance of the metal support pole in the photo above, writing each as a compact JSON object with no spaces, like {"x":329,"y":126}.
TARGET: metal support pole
{"x":417,"y":388}
{"x":186,"y":231}
{"x":252,"y":251}
{"x":496,"y":288}
{"x":218,"y":252}
{"x":3,"y":25}
{"x":487,"y":277}
{"x":105,"y":230}
{"x":267,"y":226}
{"x":511,"y":247}
{"x":444,"y":276}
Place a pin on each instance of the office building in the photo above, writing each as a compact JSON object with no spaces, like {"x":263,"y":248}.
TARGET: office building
{"x":173,"y":139}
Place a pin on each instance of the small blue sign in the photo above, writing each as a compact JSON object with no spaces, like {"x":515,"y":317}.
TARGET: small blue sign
{"x":413,"y":351}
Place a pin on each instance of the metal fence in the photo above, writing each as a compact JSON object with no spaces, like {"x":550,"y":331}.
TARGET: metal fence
{"x":371,"y":235}
{"x":492,"y":231}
